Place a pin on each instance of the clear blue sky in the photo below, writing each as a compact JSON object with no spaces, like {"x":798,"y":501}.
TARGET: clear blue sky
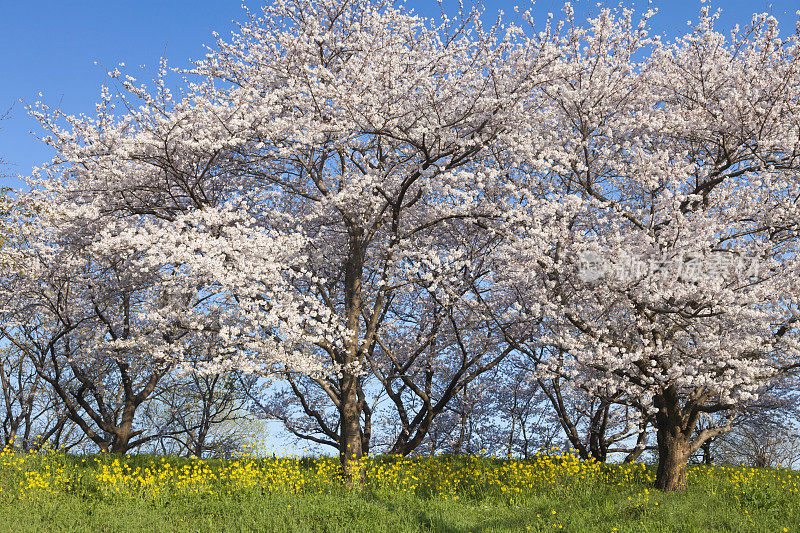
{"x":50,"y":46}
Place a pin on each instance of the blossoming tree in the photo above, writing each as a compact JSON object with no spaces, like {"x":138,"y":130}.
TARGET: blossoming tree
{"x":311,"y":190}
{"x":655,"y":242}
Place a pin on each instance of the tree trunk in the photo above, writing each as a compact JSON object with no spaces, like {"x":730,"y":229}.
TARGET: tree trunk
{"x":123,"y":433}
{"x":673,"y":453}
{"x":120,"y":443}
{"x":640,"y":445}
{"x":350,"y":445}
{"x":674,"y":442}
{"x":708,"y":458}
{"x":11,"y":435}
{"x":350,"y":405}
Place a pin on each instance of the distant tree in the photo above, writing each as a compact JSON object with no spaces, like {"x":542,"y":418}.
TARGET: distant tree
{"x":30,"y":416}
{"x":95,"y":327}
{"x":761,"y":444}
{"x":201,"y":415}
{"x":764,"y":432}
{"x":526,"y":424}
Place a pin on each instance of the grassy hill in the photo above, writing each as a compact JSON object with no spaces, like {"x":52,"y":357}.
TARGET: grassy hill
{"x":57,"y":492}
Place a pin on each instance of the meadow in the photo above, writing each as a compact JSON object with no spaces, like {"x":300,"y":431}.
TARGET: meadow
{"x":552,"y":492}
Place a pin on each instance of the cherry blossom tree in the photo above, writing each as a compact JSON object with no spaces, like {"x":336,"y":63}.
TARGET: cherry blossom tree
{"x":655,"y":242}
{"x":314,"y":182}
{"x":88,"y":319}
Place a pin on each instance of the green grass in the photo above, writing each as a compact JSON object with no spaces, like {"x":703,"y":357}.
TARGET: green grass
{"x":55,"y":492}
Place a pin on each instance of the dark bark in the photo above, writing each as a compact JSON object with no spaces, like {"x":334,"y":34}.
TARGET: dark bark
{"x":640,"y":445}
{"x":351,"y":395}
{"x":673,"y":452}
{"x":350,"y":444}
{"x":676,"y":425}
{"x":708,"y":458}
{"x":673,"y":442}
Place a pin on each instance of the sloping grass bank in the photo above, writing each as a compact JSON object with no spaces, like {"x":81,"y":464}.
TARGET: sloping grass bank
{"x":56,"y":492}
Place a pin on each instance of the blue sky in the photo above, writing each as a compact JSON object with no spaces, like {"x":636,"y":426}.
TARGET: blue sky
{"x":50,"y":46}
